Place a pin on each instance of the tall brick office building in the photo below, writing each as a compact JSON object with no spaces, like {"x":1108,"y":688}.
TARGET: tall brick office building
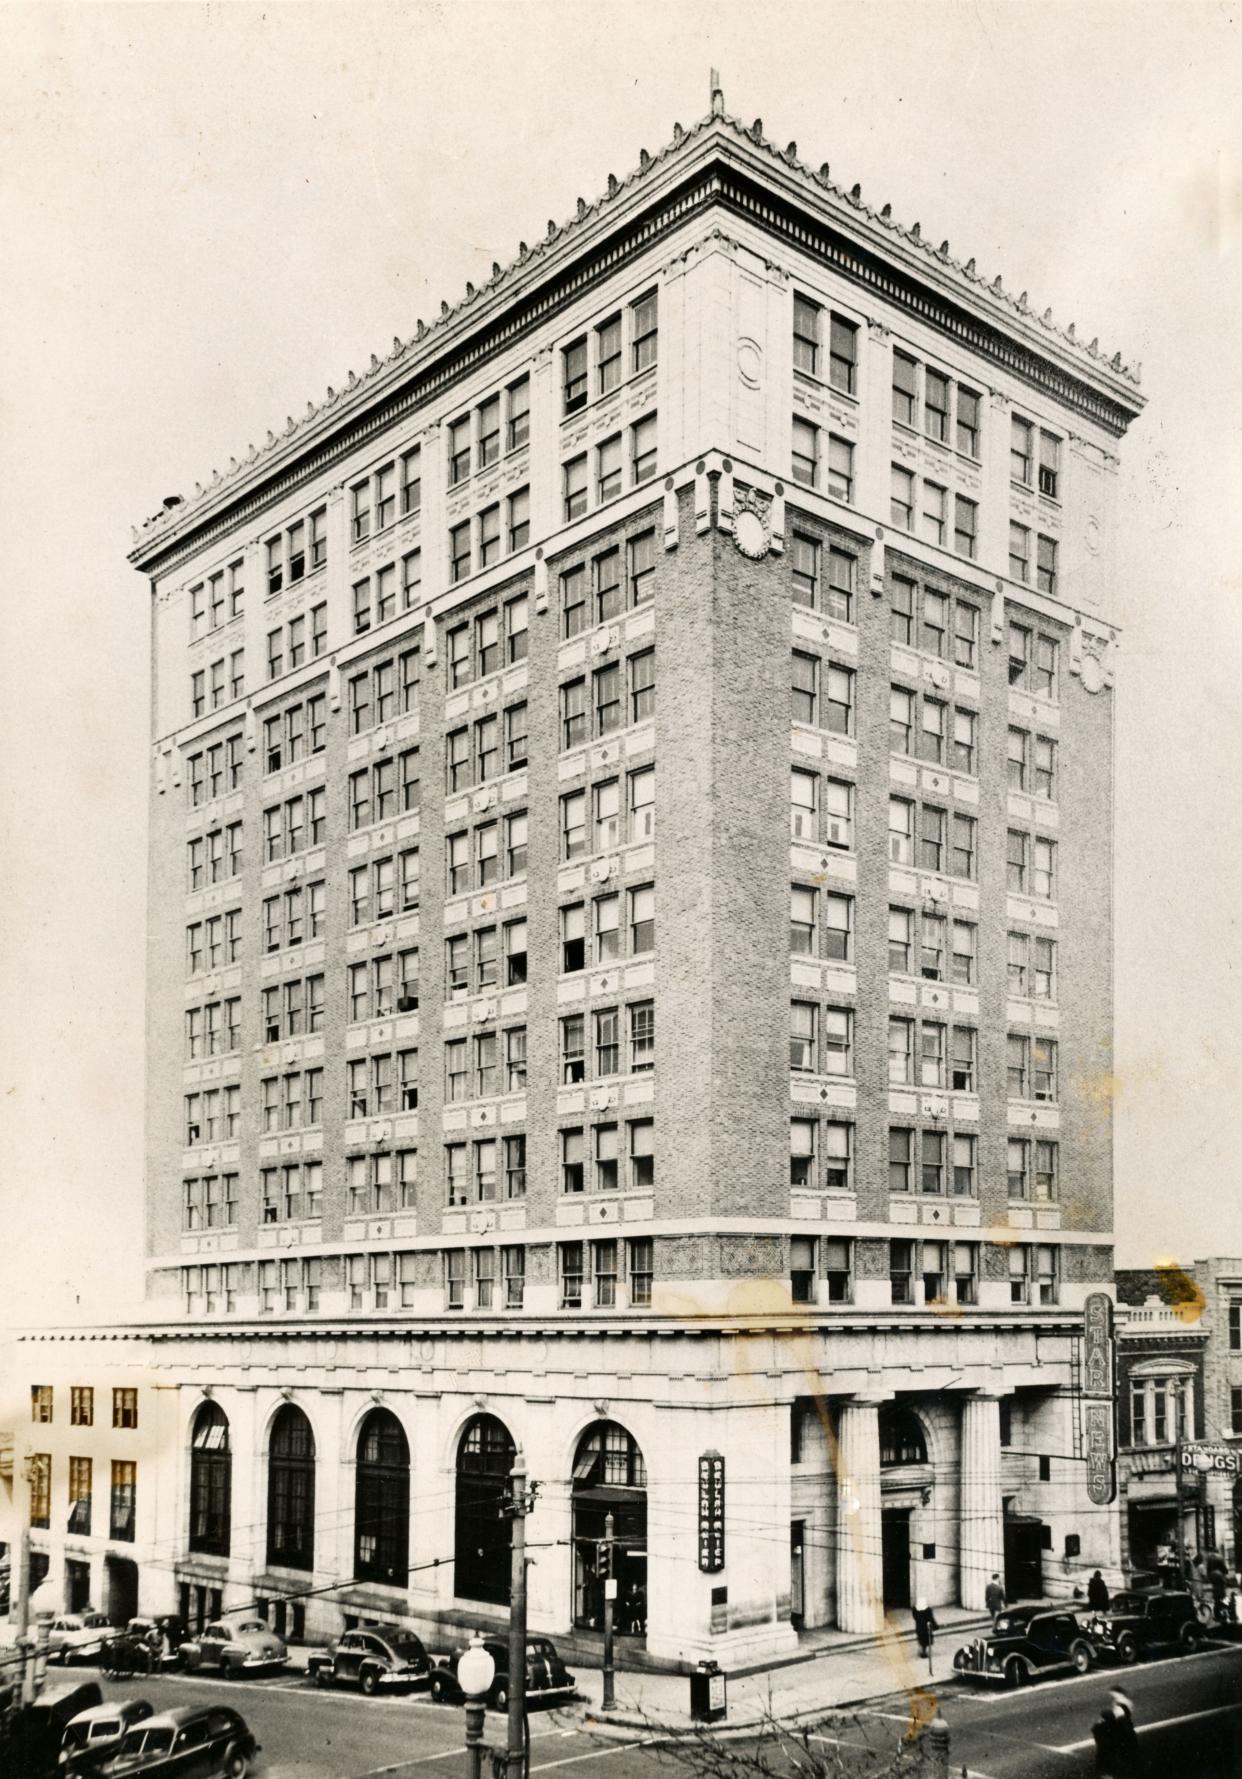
{"x":630,"y":937}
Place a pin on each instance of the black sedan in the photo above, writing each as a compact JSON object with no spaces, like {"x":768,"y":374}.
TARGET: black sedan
{"x":1026,"y":1646}
{"x":376,"y":1658}
{"x":208,"y":1741}
{"x":547,"y":1677}
{"x":1138,"y":1624}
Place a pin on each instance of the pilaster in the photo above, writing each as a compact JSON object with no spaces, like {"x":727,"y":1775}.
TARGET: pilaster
{"x":860,"y":1586}
{"x":982,"y":1547}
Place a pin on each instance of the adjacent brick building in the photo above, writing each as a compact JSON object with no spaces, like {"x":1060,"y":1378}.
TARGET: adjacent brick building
{"x":630,"y":959}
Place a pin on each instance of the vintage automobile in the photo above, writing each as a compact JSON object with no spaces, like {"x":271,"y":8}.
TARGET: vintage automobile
{"x":1027,"y":1644}
{"x":77,"y":1636}
{"x":30,"y":1739}
{"x":134,"y":1650}
{"x":1143,"y":1624}
{"x":209,"y":1741}
{"x":546,"y":1674}
{"x":235,"y":1649}
{"x":378,"y":1658}
{"x":95,"y":1735}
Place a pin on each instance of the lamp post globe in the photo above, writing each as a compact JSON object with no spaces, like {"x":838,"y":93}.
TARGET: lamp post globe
{"x":476,"y":1670}
{"x":45,"y":1601}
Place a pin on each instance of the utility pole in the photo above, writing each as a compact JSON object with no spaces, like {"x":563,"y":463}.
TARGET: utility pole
{"x":515,"y":1760}
{"x":610,"y":1606}
{"x":1181,"y":1536}
{"x":23,"y":1613}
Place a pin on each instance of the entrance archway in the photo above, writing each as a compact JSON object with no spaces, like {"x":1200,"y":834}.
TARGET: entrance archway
{"x":610,"y":1476}
{"x":483,"y":1535}
{"x":211,"y":1482}
{"x":291,"y":1491}
{"x":382,"y":1501}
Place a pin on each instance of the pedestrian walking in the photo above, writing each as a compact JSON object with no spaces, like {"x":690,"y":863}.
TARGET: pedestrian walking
{"x":994,"y":1598}
{"x":925,"y":1628}
{"x":1116,"y":1741}
{"x":1097,"y":1593}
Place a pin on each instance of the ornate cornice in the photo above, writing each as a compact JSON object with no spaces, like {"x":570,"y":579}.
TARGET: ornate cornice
{"x":717,"y":160}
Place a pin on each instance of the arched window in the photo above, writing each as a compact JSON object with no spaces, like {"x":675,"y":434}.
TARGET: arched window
{"x":901,"y":1438}
{"x":382,"y":1501}
{"x":291,"y":1491}
{"x":211,"y":1481}
{"x":610,"y":1478}
{"x":484,"y":1536}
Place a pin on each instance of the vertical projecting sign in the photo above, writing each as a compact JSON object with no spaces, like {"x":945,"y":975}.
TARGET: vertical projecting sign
{"x":711,"y":1513}
{"x":1099,"y":1387}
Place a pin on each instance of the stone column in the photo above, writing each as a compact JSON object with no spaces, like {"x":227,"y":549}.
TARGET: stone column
{"x":860,"y":1589}
{"x":982,"y":1546}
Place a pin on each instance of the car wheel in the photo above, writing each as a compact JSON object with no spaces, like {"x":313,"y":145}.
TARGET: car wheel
{"x":1080,"y":1655}
{"x":236,"y":1766}
{"x":439,"y":1688}
{"x":325,"y":1674}
{"x":500,"y":1697}
{"x":1015,"y":1671}
{"x":370,"y":1681}
{"x":1127,"y":1649}
{"x":1192,"y":1637}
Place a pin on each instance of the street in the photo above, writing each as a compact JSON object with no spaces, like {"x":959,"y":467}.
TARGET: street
{"x":1188,"y":1711}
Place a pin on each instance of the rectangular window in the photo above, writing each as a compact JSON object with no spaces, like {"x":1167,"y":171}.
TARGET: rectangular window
{"x":1021,"y":439}
{"x":459,"y":551}
{"x":643,"y":450}
{"x":805,"y":457}
{"x":802,"y":1152}
{"x":1017,"y":1066}
{"x":965,"y":526}
{"x":642,"y":808}
{"x":642,"y":1154}
{"x":489,"y":536}
{"x":967,"y":438}
{"x":519,"y":414}
{"x":572,"y":1153}
{"x":571,"y":1260}
{"x":642,"y":920}
{"x":838,"y":1041}
{"x":900,"y":1159}
{"x":802,"y":1268}
{"x":608,"y":469}
{"x":642,"y":686}
{"x":81,"y":1406}
{"x":1017,"y":1164}
{"x":837,"y":1156}
{"x":905,"y":389}
{"x":839,"y":700}
{"x":515,"y":736}
{"x":842,"y":354}
{"x":962,"y":846}
{"x":644,"y":330}
{"x":936,"y":405}
{"x":931,"y":838}
{"x":1017,"y":752}
{"x":642,"y":1036}
{"x":964,"y":1166}
{"x":641,"y":1256}
{"x":604,"y":1274}
{"x":459,"y":450}
{"x":1044,"y":774}
{"x":900,"y":1052}
{"x":804,"y":563}
{"x":935,"y":512}
{"x":641,"y":567}
{"x":842,"y":569}
{"x":1045,"y":1170}
{"x":1046,"y":563}
{"x":803,"y":921}
{"x":962,"y":958}
{"x":1017,"y":867}
{"x":802,"y":805}
{"x":962,"y":1063}
{"x":1043,"y":968}
{"x":1019,"y":552}
{"x":963,"y":752}
{"x":519,"y":519}
{"x":838,"y":920}
{"x":574,"y":478}
{"x":1043,"y":868}
{"x":901,"y":1271}
{"x":807,"y":335}
{"x":931,"y":1175}
{"x":513,"y":1277}
{"x":900,"y":940}
{"x":901,"y":498}
{"x":124,"y":1490}
{"x":1049,"y":464}
{"x":411,"y":481}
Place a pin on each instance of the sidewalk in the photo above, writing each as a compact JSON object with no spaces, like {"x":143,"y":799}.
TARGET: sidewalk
{"x":842,"y":1671}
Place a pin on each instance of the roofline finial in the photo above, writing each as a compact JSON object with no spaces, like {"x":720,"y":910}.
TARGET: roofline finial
{"x":717,"y":94}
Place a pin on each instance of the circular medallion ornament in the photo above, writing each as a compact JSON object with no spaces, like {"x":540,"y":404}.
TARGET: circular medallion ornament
{"x":750,"y":534}
{"x":1092,"y":673}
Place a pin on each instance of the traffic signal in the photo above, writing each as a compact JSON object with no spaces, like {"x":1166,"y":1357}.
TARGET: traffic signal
{"x":603,"y":1559}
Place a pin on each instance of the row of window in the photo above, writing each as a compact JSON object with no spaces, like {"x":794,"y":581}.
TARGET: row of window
{"x":298,"y":640}
{"x":82,"y":1405}
{"x":474,"y":439}
{"x":124,"y":1481}
{"x":473,"y":754}
{"x":913,"y":498}
{"x":947,"y":1270}
{"x":629,"y":336}
{"x":591,"y":478}
{"x":384,"y":691}
{"x":373,"y":598}
{"x":620,"y":693}
{"x":217,"y":600}
{"x":221,"y":682}
{"x":296,"y":550}
{"x":480,"y":541}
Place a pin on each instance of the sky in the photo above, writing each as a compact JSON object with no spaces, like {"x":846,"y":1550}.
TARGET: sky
{"x":211,"y":213}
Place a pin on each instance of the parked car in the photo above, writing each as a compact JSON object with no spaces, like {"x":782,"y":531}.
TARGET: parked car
{"x":132,"y":1651}
{"x":94,"y":1735}
{"x":208,"y":1741}
{"x":376,"y":1657}
{"x":1141,"y":1624}
{"x":235,"y":1648}
{"x":30,"y":1744}
{"x":78,"y":1636}
{"x":546,"y":1674}
{"x":1027,"y":1646}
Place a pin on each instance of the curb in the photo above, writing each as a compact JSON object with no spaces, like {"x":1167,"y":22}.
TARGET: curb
{"x":625,"y":1727}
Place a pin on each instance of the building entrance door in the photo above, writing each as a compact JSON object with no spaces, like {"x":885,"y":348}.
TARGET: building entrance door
{"x":895,"y":1543}
{"x":77,"y":1584}
{"x":1024,"y":1560}
{"x":121,"y":1585}
{"x":797,"y":1574}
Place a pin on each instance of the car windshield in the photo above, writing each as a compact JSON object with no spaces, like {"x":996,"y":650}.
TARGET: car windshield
{"x":75,"y":1735}
{"x":1127,"y":1603}
{"x":253,"y":1624}
{"x":408,"y":1648}
{"x":541,"y":1647}
{"x":1012,"y":1621}
{"x":145,"y":1741}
